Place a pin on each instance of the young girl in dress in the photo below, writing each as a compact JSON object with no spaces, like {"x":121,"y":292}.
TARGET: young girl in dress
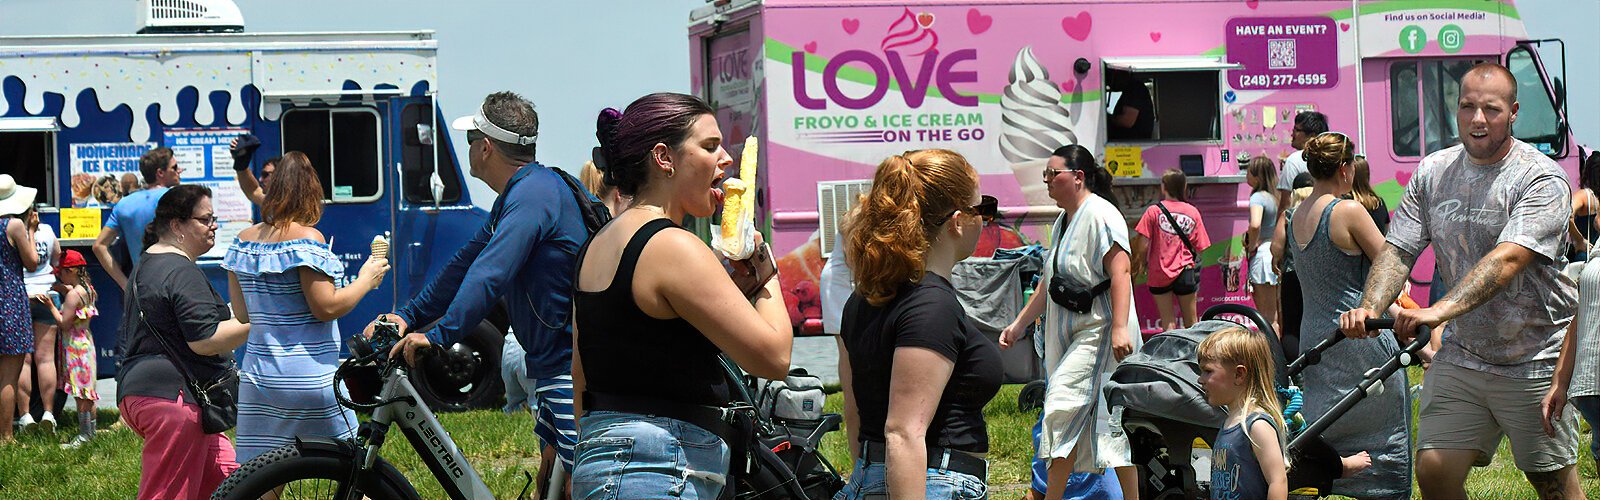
{"x":77,"y":344}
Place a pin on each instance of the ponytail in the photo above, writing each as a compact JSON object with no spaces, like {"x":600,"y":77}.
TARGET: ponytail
{"x":888,"y":237}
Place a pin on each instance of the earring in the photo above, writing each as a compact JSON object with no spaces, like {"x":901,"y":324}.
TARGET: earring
{"x":671,"y":172}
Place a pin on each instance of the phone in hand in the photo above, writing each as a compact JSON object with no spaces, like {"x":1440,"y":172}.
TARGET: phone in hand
{"x":753,"y":273}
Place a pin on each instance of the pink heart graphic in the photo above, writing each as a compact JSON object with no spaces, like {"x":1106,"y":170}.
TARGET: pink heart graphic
{"x":1077,"y":26}
{"x":1069,"y":84}
{"x":977,"y":22}
{"x":811,"y":47}
{"x":850,"y":25}
{"x":1403,"y":176}
{"x":1344,"y":26}
{"x":1252,"y":4}
{"x":1155,"y":36}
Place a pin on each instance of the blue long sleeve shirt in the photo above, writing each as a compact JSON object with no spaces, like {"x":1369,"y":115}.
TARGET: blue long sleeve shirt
{"x":525,"y":254}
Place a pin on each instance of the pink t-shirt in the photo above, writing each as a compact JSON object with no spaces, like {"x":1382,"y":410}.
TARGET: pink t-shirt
{"x":1168,"y":256}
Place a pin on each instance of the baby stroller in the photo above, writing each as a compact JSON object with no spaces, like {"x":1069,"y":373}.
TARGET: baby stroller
{"x":783,"y":456}
{"x":1164,"y":409}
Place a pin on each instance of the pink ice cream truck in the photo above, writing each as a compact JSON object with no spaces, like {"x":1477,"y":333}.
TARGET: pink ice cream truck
{"x":834,"y":87}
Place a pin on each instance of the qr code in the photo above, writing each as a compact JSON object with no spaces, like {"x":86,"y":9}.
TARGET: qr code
{"x":1281,"y":54}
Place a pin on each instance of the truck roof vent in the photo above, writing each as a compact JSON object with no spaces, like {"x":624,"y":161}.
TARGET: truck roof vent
{"x":835,"y":199}
{"x":189,"y":16}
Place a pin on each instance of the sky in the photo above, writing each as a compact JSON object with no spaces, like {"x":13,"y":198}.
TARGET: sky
{"x":574,"y":58}
{"x":571,"y":59}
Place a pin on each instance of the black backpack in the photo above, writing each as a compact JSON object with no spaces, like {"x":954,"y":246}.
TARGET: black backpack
{"x":594,"y":212}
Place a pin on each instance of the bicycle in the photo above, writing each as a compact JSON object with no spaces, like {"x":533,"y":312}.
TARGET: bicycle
{"x":328,"y":468}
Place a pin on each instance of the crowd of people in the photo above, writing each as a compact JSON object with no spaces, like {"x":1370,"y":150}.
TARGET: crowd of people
{"x":598,"y":310}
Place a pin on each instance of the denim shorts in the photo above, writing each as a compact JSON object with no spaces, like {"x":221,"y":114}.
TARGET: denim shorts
{"x":873,"y":479}
{"x":626,"y":455}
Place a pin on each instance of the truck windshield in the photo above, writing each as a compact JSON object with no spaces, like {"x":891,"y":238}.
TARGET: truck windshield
{"x":1422,"y":103}
{"x":1537,"y":123}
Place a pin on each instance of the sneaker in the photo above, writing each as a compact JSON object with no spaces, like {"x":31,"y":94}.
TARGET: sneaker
{"x":77,"y":442}
{"x":48,"y":421}
{"x":25,"y":422}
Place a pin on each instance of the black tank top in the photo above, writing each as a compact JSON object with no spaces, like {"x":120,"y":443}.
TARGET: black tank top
{"x":627,"y":352}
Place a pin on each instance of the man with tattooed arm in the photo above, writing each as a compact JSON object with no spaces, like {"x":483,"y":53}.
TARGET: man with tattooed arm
{"x":1495,"y":210}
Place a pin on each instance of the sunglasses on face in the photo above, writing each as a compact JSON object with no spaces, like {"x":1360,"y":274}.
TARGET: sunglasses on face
{"x":473,"y":136}
{"x":1051,"y":173}
{"x":987,"y":208}
{"x":208,"y":219}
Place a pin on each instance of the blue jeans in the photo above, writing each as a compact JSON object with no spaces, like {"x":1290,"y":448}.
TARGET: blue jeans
{"x":1589,"y":406}
{"x":873,"y":479}
{"x":625,"y":455}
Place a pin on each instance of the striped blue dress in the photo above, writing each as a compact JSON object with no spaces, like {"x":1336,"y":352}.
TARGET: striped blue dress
{"x":286,"y":378}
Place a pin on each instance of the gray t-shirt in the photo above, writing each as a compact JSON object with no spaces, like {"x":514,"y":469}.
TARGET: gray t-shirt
{"x":1269,"y":215}
{"x":1464,"y":210}
{"x":1293,"y":166}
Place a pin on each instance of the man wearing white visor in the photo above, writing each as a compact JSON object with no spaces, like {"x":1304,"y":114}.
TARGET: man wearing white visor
{"x":524,"y":254}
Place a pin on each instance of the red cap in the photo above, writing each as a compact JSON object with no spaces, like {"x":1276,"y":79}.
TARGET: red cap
{"x":71,"y":259}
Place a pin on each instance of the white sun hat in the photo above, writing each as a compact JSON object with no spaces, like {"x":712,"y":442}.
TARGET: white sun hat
{"x":15,"y":199}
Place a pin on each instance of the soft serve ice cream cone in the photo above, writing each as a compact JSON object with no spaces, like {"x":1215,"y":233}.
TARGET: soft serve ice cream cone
{"x":1034,"y":122}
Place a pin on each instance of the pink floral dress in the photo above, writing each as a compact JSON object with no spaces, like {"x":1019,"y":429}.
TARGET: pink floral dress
{"x":79,"y":358}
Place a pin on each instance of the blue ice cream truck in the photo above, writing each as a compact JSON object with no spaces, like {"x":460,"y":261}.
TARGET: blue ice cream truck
{"x":80,"y":110}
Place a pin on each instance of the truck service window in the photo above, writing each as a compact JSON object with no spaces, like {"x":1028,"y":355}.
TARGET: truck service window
{"x":29,"y":156}
{"x":418,"y":162}
{"x":1166,"y":105}
{"x":343,"y":144}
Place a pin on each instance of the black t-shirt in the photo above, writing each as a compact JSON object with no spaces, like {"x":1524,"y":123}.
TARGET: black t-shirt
{"x":925,"y":315}
{"x":177,"y":299}
{"x":1144,"y":126}
{"x":1380,"y":216}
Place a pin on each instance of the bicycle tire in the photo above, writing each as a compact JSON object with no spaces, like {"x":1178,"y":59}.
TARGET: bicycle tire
{"x":288,"y":464}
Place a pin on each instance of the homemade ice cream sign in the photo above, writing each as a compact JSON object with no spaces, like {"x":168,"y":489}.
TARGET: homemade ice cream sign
{"x":1283,"y":53}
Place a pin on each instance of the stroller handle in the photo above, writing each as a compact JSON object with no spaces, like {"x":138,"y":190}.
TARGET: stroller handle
{"x":1406,"y":356}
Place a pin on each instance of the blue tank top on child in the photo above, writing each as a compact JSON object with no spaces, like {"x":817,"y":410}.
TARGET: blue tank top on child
{"x":1235,"y":472}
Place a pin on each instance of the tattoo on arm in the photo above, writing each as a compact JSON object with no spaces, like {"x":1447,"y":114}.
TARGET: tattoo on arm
{"x":1482,"y":283}
{"x":1387,"y":278}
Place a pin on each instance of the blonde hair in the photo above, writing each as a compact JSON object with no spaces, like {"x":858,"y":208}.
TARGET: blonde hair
{"x":1361,"y":184}
{"x":1265,"y":173}
{"x":1298,"y":196}
{"x":887,"y":239}
{"x":1236,"y":346}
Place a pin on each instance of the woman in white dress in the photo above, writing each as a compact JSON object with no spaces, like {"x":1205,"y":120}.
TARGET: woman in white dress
{"x":1090,"y":327}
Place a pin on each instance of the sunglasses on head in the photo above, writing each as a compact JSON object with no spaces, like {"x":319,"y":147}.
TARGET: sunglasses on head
{"x":988,"y":208}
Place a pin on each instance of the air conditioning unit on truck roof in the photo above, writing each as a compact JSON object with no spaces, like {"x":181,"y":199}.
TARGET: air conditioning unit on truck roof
{"x":189,"y":16}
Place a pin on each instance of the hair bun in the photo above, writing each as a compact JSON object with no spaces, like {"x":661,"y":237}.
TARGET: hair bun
{"x":605,"y":130}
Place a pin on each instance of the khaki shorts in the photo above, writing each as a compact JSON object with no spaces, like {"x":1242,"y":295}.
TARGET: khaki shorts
{"x":1466,"y":409}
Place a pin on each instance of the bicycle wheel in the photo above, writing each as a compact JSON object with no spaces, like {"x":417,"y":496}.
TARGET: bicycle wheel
{"x":295,"y":475}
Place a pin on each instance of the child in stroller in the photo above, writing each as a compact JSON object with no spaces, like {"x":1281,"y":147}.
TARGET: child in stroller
{"x":1166,"y":412}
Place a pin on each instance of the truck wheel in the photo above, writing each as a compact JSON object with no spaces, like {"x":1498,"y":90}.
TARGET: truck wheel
{"x":467,"y":375}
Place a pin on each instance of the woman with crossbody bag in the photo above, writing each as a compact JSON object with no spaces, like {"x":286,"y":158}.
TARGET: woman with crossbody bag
{"x":1086,"y":298}
{"x":1170,"y":237}
{"x":177,"y":382}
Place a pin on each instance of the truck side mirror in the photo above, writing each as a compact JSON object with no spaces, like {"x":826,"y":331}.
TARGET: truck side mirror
{"x":424,"y":134}
{"x":1561,"y":92}
{"x":436,"y":188}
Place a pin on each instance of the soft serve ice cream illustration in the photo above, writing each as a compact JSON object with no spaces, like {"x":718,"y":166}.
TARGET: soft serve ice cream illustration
{"x":1034,"y":122}
{"x":911,"y":34}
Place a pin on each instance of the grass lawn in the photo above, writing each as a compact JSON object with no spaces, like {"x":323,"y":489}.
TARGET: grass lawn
{"x":501,"y":447}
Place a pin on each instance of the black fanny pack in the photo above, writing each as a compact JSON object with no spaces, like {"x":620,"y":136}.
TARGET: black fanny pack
{"x":1074,"y":298}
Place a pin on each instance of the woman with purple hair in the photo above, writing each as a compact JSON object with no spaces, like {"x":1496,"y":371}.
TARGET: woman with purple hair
{"x":654,"y":309}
